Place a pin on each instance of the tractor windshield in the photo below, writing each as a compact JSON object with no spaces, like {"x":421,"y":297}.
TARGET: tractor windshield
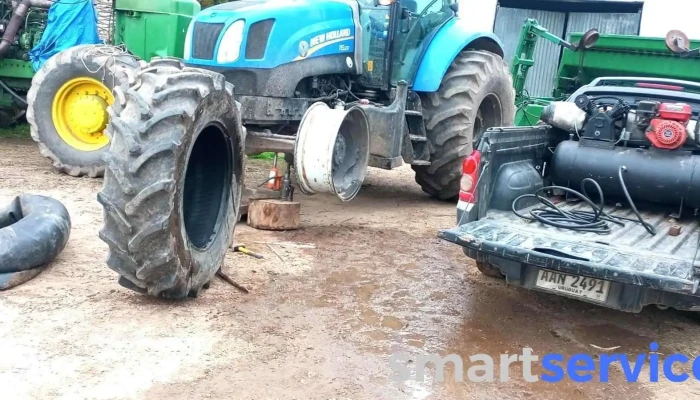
{"x":415,"y":32}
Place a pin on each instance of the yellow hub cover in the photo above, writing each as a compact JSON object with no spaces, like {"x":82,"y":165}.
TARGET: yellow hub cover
{"x":79,"y":113}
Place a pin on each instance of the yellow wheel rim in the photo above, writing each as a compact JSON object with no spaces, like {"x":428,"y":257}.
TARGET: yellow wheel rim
{"x":79,"y":113}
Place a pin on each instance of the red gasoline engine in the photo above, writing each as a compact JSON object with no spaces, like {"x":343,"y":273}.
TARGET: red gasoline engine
{"x":668,"y":130}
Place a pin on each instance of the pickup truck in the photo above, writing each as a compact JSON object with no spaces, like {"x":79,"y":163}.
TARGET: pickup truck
{"x":529,"y":212}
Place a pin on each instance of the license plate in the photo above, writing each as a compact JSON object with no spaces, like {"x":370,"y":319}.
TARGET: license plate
{"x":579,"y":286}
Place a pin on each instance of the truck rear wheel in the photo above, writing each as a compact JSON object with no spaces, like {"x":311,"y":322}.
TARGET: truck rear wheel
{"x":67,"y":105}
{"x":173,"y":179}
{"x":475,"y":94}
{"x":489,"y":270}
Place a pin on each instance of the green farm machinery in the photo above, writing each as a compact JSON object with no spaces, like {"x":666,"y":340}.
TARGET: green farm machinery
{"x":66,"y":100}
{"x":15,"y":69}
{"x":596,"y":55}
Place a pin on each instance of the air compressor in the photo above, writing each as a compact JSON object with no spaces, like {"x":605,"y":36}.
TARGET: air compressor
{"x":654,"y":142}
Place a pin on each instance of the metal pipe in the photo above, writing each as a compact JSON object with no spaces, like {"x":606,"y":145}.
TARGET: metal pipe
{"x":36,"y":3}
{"x":258,"y":141}
{"x":41,"y":3}
{"x":18,"y":15}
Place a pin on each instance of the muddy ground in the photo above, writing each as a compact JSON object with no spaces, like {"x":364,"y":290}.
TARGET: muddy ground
{"x":319,"y":323}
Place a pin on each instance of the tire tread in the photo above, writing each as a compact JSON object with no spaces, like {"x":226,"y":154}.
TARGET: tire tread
{"x":448,"y":120}
{"x":139,"y":183}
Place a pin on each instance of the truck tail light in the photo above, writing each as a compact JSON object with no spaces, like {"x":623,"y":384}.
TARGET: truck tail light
{"x":470,"y":170}
{"x":466,"y":184}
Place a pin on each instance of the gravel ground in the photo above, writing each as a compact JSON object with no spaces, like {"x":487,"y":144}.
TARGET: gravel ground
{"x":319,"y":323}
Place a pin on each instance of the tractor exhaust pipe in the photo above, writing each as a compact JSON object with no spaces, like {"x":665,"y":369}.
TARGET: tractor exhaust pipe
{"x":331,"y":154}
{"x":41,"y":3}
{"x":18,"y":16}
{"x":35,"y":3}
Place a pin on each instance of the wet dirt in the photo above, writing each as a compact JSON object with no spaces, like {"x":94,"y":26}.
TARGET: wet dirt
{"x":329,"y":304}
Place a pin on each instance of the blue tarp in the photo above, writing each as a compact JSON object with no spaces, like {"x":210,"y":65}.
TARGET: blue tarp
{"x":71,"y":23}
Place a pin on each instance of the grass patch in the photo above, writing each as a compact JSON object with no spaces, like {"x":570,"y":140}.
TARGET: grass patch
{"x":265,"y":156}
{"x":20,"y":131}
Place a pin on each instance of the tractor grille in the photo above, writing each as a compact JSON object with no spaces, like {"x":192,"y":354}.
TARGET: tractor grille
{"x":204,"y":41}
{"x":258,"y":35}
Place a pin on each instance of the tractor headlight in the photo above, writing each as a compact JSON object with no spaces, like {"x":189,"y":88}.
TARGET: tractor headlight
{"x":230,"y":45}
{"x":187,"y":53}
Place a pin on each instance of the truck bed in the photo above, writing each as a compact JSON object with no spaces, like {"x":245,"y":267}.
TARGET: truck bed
{"x":628,"y":254}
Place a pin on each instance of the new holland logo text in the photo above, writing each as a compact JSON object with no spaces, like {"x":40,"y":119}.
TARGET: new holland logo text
{"x":328,"y":36}
{"x":318,"y":42}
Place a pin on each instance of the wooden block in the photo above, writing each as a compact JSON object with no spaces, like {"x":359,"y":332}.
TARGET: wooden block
{"x":273,"y":214}
{"x":249,"y":195}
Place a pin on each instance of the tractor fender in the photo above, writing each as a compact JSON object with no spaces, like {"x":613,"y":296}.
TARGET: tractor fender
{"x":453,"y":37}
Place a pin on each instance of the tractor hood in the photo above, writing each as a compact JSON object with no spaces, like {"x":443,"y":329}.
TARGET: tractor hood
{"x":258,"y":34}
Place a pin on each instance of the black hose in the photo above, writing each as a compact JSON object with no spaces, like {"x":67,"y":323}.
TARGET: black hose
{"x":646,"y":225}
{"x":595,"y":221}
{"x":13,"y":93}
{"x":329,"y":97}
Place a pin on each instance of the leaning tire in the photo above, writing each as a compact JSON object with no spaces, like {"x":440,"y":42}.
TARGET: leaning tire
{"x":476,"y":93}
{"x":173,"y":179}
{"x":67,"y":105}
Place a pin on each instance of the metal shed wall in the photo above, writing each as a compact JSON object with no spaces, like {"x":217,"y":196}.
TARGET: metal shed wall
{"x":509,"y":21}
{"x":541,"y":77}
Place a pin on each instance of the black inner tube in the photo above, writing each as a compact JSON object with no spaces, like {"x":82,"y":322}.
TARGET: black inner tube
{"x":595,"y":220}
{"x":33,"y":231}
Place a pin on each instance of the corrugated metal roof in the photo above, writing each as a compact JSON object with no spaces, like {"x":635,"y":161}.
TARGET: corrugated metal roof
{"x":606,"y":23}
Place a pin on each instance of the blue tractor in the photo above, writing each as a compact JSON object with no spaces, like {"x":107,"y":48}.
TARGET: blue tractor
{"x":335,"y":85}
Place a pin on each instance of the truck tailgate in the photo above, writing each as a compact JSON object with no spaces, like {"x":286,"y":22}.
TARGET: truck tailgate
{"x":629,"y":254}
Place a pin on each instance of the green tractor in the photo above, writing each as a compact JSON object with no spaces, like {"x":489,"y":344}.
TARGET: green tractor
{"x":66,"y":101}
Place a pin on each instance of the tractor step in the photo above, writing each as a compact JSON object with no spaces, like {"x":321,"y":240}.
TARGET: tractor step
{"x":415,"y":149}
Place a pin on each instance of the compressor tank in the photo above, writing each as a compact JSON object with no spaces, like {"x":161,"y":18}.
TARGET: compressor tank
{"x":654,"y":175}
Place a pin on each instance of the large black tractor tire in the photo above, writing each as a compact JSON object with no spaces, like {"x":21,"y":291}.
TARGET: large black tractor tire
{"x":173,"y":179}
{"x":475,"y":94}
{"x":81,"y":80}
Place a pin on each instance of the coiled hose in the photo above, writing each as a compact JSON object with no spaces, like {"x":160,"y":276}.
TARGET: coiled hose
{"x":595,"y":220}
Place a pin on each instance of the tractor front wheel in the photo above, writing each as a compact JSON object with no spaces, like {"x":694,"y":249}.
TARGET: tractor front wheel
{"x":67,"y":105}
{"x":476,"y":93}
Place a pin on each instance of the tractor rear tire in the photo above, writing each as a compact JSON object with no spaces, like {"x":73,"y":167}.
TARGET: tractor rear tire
{"x":475,"y":94}
{"x":86,"y":75}
{"x":173,"y":179}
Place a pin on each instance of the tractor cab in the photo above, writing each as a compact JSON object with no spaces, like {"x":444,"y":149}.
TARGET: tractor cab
{"x":396,"y":35}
